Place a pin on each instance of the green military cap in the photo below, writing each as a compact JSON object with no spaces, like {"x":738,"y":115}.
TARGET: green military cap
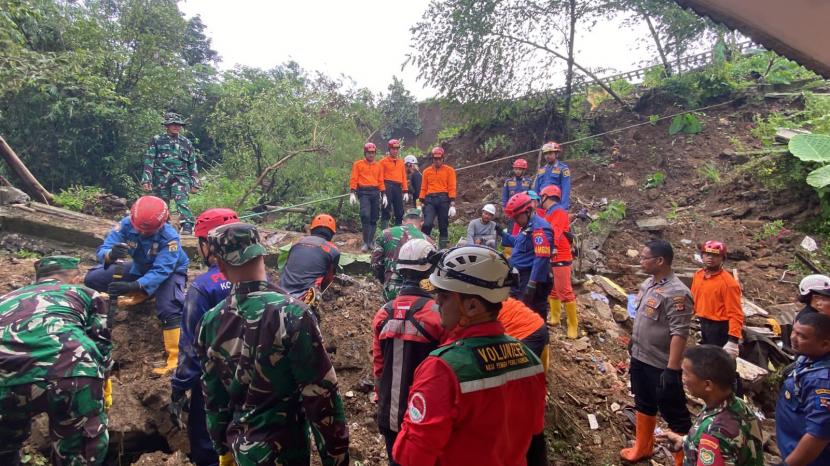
{"x":415,"y":212}
{"x":173,"y":118}
{"x":51,"y":264}
{"x":235,"y":243}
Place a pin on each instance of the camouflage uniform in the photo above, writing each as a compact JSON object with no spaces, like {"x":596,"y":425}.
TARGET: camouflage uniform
{"x":267,"y":379}
{"x":727,"y":435}
{"x":54,"y":355}
{"x":385,"y":256}
{"x":170,"y":167}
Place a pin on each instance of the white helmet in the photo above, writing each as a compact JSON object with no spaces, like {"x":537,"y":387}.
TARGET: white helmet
{"x":410,"y":159}
{"x":475,"y":270}
{"x":817,"y":283}
{"x":415,"y":255}
{"x":489,"y":208}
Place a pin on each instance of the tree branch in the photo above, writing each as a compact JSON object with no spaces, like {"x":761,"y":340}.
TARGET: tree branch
{"x":274,"y":166}
{"x":553,"y":52}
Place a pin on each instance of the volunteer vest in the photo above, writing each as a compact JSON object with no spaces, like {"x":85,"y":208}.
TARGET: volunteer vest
{"x":481,"y":363}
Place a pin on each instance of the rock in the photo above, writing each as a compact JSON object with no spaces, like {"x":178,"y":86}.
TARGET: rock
{"x":809,"y":244}
{"x":686,"y":242}
{"x":632,"y":253}
{"x":628,"y":182}
{"x":11,"y":195}
{"x":739,"y":253}
{"x":603,"y":310}
{"x":652,"y":224}
{"x":619,"y":313}
{"x":610,"y":288}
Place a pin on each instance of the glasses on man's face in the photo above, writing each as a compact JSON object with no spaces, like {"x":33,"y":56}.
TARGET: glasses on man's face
{"x":647,"y":258}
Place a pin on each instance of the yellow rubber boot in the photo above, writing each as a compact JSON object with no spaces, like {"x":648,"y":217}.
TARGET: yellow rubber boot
{"x":644,"y":441}
{"x":573,"y":323}
{"x":555,"y":312}
{"x":507,"y":252}
{"x":171,"y":346}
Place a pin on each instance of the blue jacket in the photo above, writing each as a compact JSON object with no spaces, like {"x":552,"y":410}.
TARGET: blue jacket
{"x":207,"y":291}
{"x":531,"y":248}
{"x":804,"y":406}
{"x":558,"y":174}
{"x":155,"y":258}
{"x":515,"y":185}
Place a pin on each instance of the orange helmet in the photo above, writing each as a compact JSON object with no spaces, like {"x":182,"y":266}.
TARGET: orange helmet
{"x":714,"y":247}
{"x":551,"y":190}
{"x":324,"y":220}
{"x":438,"y":152}
{"x":520,"y":163}
{"x":551,"y":146}
{"x":518,"y":204}
{"x":369,"y":147}
{"x":393,"y":144}
{"x":148,"y":214}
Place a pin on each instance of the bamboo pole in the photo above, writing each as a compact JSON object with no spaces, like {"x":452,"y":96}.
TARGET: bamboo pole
{"x":30,"y":184}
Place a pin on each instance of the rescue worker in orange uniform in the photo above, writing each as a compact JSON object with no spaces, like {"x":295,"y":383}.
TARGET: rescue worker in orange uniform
{"x":438,"y":196}
{"x":480,"y":398}
{"x":717,"y":298}
{"x":366,"y":184}
{"x":396,"y":183}
{"x":562,"y":293}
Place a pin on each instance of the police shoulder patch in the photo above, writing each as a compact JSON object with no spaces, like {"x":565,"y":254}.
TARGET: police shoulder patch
{"x":679,"y":302}
{"x":172,"y":246}
{"x":566,"y":172}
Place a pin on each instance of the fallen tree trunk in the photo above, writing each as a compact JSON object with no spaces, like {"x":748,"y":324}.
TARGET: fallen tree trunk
{"x":30,"y":184}
{"x":274,"y":166}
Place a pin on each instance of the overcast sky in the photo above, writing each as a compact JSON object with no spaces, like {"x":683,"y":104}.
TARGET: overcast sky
{"x":366,"y":40}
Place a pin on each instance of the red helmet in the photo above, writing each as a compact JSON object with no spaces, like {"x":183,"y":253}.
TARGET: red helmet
{"x":520,"y":163}
{"x":551,"y":190}
{"x":518,"y":204}
{"x":324,"y":220}
{"x":393,"y":144}
{"x":369,"y":147}
{"x":551,"y":146}
{"x":714,"y":247}
{"x":212,"y":218}
{"x":148,"y":214}
{"x":437,"y":152}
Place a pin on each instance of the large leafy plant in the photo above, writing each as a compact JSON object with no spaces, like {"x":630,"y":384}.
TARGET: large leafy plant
{"x":813,"y":148}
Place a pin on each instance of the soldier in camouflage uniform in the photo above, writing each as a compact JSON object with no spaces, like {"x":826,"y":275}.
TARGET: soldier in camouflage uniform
{"x":54,"y":358}
{"x":726,"y":432}
{"x":267,"y":379}
{"x":170,"y":169}
{"x":387,"y":249}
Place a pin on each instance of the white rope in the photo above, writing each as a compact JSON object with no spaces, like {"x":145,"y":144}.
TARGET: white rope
{"x":512,"y":156}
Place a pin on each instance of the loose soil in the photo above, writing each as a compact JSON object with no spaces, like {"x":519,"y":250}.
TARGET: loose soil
{"x":589,"y":375}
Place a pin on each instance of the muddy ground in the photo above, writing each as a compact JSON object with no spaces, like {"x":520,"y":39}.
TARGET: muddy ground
{"x":589,"y":375}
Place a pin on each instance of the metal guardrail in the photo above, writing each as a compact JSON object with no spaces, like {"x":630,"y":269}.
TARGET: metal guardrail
{"x":687,"y":63}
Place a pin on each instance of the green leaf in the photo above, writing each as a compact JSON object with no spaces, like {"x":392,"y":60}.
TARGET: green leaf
{"x":811,"y":147}
{"x":677,"y":124}
{"x":819,"y":177}
{"x":693,"y":124}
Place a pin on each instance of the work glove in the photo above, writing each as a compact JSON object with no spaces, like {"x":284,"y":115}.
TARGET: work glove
{"x":107,"y":394}
{"x":383,"y":200}
{"x":671,"y":379}
{"x":451,"y":213}
{"x":122,"y":288}
{"x":178,"y":406}
{"x":499,"y":229}
{"x":406,"y":197}
{"x":227,"y":460}
{"x":529,"y":294}
{"x":118,"y":251}
{"x":352,"y":199}
{"x":732,"y":348}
